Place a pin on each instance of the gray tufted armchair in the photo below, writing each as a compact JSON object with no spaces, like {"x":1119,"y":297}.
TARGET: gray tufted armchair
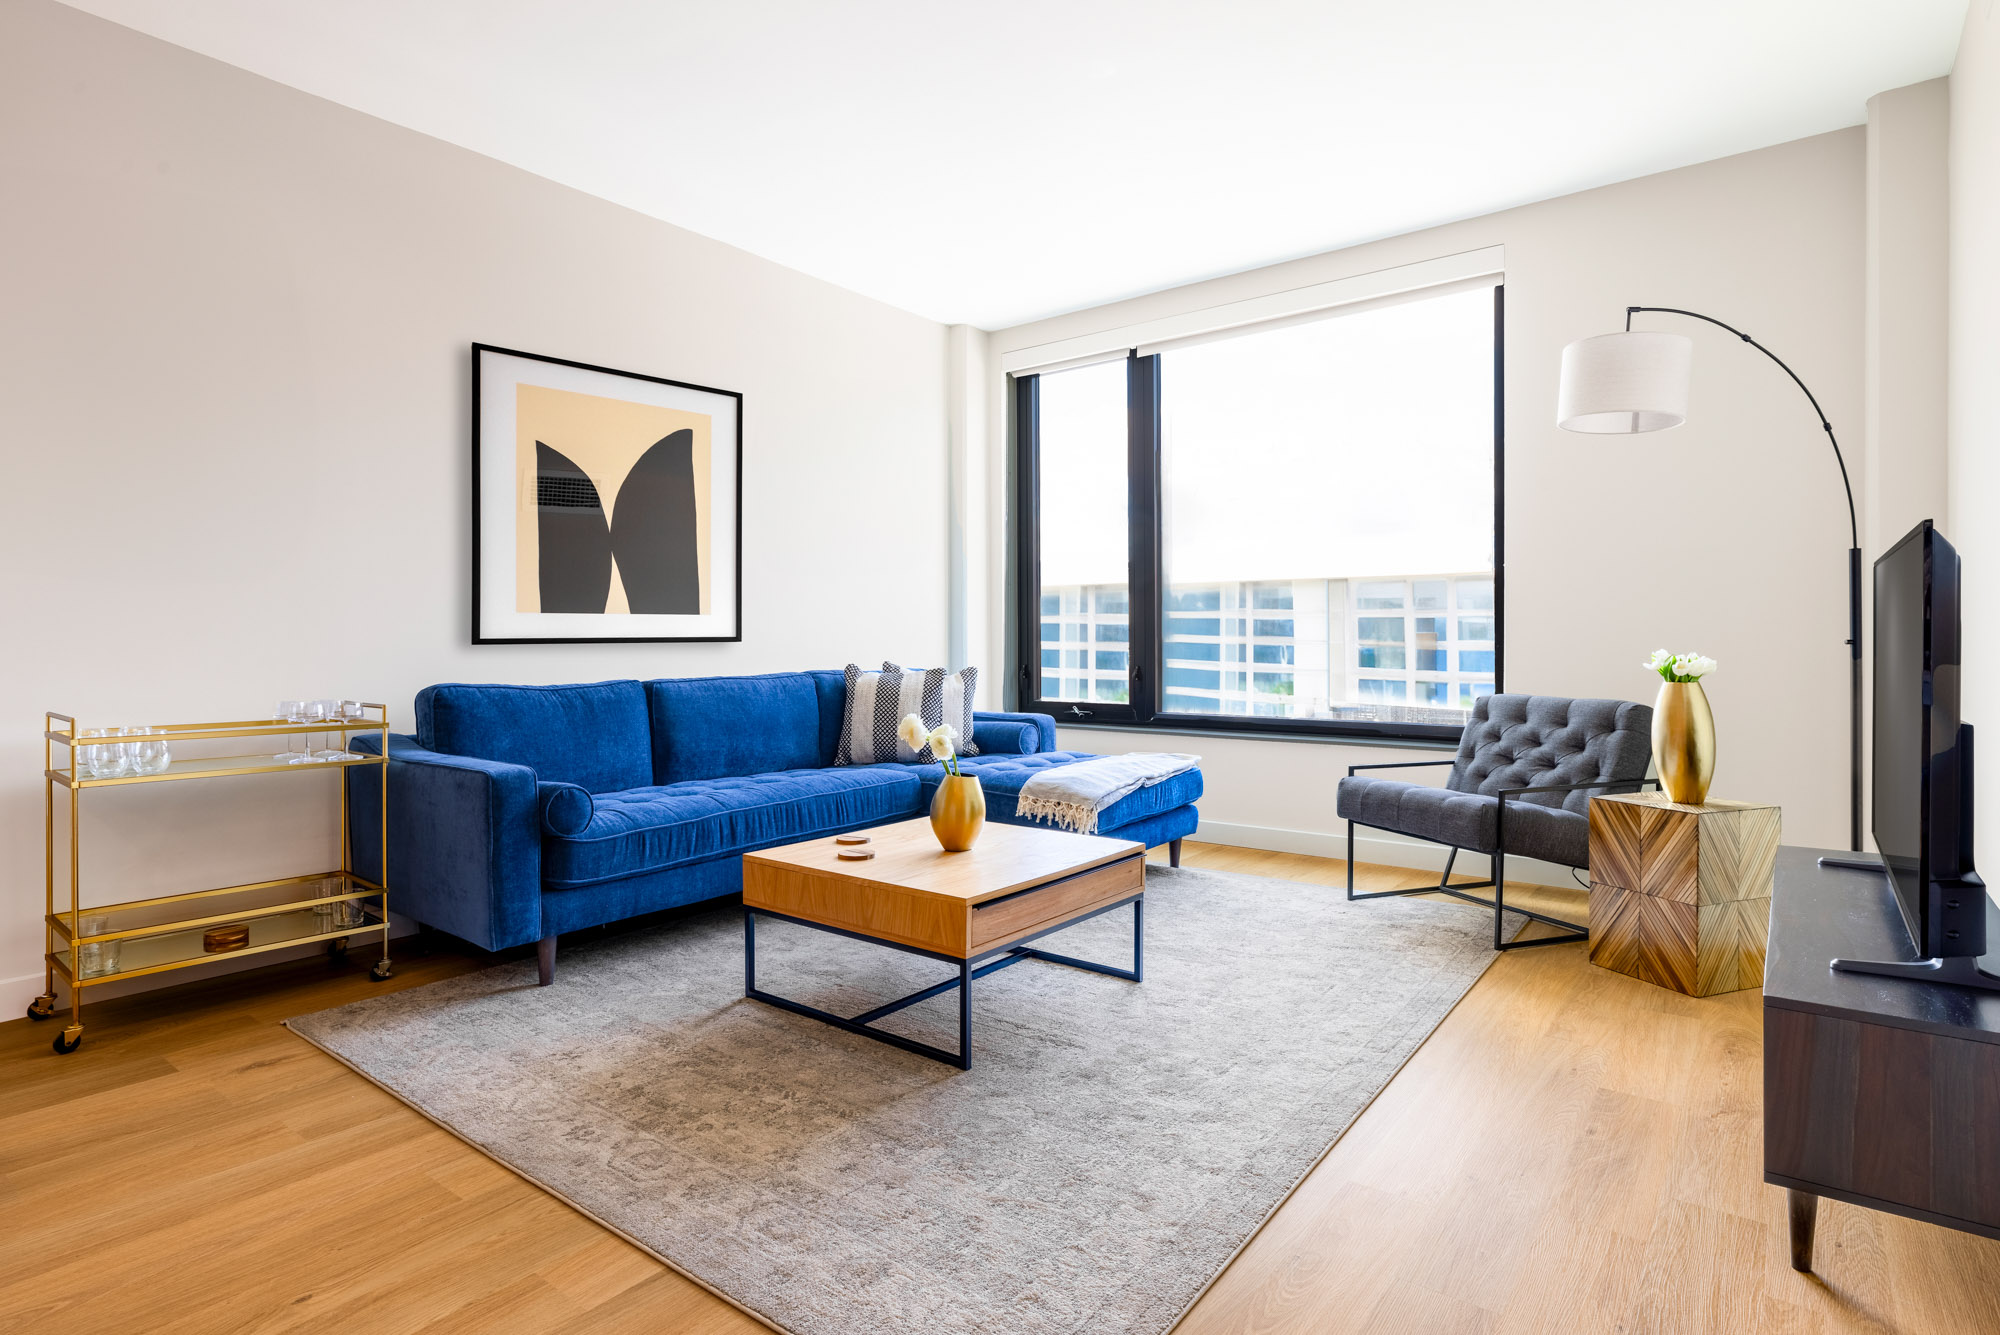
{"x":1521,"y":783}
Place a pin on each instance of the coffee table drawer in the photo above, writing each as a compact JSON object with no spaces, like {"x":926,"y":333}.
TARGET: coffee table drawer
{"x":999,"y":920}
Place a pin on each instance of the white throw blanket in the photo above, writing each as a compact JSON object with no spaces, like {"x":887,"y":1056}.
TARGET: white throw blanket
{"x":1072,"y":796}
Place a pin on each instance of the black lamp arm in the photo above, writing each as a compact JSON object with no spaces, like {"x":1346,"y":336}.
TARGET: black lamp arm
{"x":1853,"y":529}
{"x":1853,"y":564}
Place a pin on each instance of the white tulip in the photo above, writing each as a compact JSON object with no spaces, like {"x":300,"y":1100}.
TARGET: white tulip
{"x":912,"y":731}
{"x":942,"y":741}
{"x":1660,"y":659}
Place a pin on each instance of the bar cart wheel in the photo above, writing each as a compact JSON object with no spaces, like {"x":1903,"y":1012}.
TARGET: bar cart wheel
{"x":381,"y":970}
{"x":336,"y":950}
{"x":42,"y":1007}
{"x":69,"y":1040}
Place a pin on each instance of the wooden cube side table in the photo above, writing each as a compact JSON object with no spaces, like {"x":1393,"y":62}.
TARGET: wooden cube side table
{"x":1680,"y":896}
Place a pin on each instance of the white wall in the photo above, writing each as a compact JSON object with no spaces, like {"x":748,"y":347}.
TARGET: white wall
{"x":1728,"y":535}
{"x":234,"y":361}
{"x":1901,"y":481}
{"x":1903,"y":389}
{"x":1974,"y":393}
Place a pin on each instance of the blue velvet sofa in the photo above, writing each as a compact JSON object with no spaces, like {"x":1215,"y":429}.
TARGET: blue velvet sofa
{"x":518,"y":813}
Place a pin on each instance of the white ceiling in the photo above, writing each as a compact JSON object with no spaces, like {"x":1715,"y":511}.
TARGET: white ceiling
{"x":993,"y":163}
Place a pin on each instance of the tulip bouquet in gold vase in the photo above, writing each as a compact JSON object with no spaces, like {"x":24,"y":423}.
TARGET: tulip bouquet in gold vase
{"x":1683,"y":727}
{"x":958,"y":810}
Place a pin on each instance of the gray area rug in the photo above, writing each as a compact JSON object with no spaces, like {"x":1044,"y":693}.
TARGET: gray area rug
{"x":1112,"y":1148}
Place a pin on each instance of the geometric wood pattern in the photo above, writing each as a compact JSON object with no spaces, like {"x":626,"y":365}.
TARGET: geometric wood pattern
{"x":1680,"y":894}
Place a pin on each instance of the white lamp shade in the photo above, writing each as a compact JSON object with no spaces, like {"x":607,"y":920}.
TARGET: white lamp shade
{"x":1618,"y":384}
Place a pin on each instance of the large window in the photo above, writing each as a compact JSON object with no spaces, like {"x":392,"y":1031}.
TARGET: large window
{"x":1287,"y":529}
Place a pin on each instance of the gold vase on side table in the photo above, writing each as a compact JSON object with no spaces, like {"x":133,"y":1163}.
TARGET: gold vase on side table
{"x":958,"y":812}
{"x":1684,"y":741}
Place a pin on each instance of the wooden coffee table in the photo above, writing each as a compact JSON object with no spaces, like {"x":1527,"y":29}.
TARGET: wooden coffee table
{"x":1020,"y":883}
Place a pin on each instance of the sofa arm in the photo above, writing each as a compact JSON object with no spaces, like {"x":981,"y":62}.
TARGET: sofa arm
{"x":1013,"y":734}
{"x":465,"y":840}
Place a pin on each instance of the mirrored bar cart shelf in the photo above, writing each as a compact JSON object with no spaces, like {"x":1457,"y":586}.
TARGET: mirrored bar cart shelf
{"x":87,"y":947}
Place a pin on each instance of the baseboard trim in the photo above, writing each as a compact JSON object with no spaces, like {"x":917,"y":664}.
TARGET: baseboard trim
{"x":1378,"y":847}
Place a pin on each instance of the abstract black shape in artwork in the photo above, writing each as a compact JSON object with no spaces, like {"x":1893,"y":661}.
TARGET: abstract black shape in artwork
{"x":574,"y":535}
{"x":653,"y":529}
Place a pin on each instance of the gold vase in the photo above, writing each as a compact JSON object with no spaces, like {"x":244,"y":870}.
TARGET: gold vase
{"x":958,"y":812}
{"x":1684,"y":741}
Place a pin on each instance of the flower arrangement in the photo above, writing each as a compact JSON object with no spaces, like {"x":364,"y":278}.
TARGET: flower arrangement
{"x":1679,"y":667}
{"x":942,"y":740}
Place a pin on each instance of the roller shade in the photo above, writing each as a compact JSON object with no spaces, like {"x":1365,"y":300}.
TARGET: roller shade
{"x":1451,"y":273}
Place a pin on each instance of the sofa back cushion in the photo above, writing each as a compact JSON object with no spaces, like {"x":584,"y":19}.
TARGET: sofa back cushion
{"x":594,"y":736}
{"x":1520,"y":741}
{"x":831,"y":686}
{"x":719,"y":727}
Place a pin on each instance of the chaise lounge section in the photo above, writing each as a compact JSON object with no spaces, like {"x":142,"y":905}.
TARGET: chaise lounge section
{"x":523,"y":812}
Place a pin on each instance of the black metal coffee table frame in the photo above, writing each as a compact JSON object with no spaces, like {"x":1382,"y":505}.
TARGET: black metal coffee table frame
{"x":968,"y":969}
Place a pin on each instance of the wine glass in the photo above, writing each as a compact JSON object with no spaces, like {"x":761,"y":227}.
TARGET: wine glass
{"x":110,"y":761}
{"x":291,"y":711}
{"x":344,"y":710}
{"x":150,"y":755}
{"x":320,"y":711}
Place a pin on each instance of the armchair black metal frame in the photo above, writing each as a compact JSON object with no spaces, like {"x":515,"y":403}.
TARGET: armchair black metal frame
{"x":1498,"y":881}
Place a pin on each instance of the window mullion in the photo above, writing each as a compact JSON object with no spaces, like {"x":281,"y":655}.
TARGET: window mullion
{"x":1142,"y":425}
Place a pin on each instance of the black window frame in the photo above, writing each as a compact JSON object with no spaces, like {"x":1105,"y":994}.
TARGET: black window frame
{"x":1145,"y":571}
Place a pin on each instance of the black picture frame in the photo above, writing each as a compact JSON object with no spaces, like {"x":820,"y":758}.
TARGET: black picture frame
{"x":734,"y":549}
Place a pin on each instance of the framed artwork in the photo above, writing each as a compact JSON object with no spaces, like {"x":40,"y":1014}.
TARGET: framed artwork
{"x":606,"y":505}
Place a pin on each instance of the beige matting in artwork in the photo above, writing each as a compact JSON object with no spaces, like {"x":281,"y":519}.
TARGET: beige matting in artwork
{"x":1114,"y":1145}
{"x":604,"y":437}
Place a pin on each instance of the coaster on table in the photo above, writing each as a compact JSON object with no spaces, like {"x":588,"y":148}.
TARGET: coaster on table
{"x":854,"y":854}
{"x":850,"y":838}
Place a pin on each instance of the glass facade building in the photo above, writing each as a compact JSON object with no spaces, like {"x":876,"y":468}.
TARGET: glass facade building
{"x":1397,"y":649}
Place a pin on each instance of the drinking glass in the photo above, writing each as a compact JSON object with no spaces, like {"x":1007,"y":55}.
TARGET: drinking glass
{"x":329,"y":710}
{"x":107,"y":762}
{"x":323,"y":913}
{"x":310,"y":712}
{"x":291,"y":711}
{"x":347,"y":912}
{"x":344,"y":710}
{"x":151,"y":754}
{"x":97,"y":957}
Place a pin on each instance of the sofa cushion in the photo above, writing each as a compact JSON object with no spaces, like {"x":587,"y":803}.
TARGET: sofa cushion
{"x":878,"y":702}
{"x":647,"y":829}
{"x":1519,"y":741}
{"x":830,"y":685}
{"x":566,"y":808}
{"x":1001,"y":778}
{"x":1003,"y":732}
{"x":716,"y":727}
{"x":1465,"y":820}
{"x":594,"y":736}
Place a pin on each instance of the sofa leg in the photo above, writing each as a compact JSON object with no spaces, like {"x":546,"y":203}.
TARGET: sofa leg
{"x":545,"y":956}
{"x":1174,"y":853}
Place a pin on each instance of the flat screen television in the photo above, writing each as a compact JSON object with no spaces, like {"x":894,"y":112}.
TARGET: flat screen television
{"x":1923,"y":751}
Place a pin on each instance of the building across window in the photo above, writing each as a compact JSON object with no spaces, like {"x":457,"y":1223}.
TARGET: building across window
{"x":1331,"y":660}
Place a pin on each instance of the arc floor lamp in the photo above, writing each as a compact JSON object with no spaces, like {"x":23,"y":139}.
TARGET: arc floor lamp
{"x":1636,"y":381}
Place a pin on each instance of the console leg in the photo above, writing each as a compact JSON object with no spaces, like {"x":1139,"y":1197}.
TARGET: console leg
{"x":1803,"y":1208}
{"x":545,"y":956}
{"x":1174,"y":853}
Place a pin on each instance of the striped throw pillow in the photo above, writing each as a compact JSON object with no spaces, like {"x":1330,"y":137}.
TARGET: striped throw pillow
{"x":877,"y":702}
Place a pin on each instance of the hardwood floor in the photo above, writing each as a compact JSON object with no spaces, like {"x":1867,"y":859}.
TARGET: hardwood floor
{"x":1572,"y":1151}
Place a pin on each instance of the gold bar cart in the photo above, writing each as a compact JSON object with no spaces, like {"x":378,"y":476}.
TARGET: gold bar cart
{"x":155,"y":934}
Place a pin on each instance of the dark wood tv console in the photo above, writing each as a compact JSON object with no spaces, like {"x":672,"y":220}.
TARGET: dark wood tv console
{"x":1877,"y":1091}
